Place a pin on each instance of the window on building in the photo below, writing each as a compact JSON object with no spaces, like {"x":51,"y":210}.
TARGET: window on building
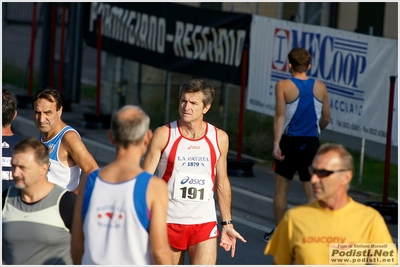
{"x":370,"y":18}
{"x":211,"y":5}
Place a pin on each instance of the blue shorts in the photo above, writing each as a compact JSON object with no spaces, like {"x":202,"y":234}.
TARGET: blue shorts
{"x":299,"y":153}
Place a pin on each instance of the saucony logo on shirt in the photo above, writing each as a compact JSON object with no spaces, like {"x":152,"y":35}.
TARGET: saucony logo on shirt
{"x":323,"y":239}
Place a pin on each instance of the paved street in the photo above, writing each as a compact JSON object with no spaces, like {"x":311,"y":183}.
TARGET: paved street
{"x":252,"y":196}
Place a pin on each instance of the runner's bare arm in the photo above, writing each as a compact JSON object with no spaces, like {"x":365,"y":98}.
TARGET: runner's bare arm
{"x":279,"y":118}
{"x":326,"y":113}
{"x":77,"y":237}
{"x":156,"y":145}
{"x":78,"y":152}
{"x":157,"y":199}
{"x":222,"y":183}
{"x":224,"y":197}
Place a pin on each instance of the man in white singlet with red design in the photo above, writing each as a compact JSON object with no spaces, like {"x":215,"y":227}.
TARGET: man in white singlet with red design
{"x":121,"y":211}
{"x":190,"y":155}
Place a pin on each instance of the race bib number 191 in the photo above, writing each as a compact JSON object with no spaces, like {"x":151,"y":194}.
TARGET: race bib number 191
{"x":192,"y":187}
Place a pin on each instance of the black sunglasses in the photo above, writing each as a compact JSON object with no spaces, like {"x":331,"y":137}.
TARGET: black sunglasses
{"x":321,"y":173}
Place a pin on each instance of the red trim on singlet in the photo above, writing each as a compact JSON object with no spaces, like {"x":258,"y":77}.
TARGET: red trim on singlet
{"x":171,"y":160}
{"x":171,"y":157}
{"x":169,"y":137}
{"x":216,"y":139}
{"x":213,"y":158}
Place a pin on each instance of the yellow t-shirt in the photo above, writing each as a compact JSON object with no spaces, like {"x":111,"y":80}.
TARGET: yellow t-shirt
{"x":304,"y":234}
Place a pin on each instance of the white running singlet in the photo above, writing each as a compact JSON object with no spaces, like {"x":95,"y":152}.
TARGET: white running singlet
{"x":189,"y":168}
{"x":60,"y":174}
{"x":116,"y":221}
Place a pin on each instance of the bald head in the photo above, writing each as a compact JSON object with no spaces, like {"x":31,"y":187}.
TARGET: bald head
{"x":129,"y":125}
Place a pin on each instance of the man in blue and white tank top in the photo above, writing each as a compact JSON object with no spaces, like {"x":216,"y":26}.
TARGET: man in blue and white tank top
{"x":68,"y":154}
{"x":120,"y":216}
{"x":301,"y":112}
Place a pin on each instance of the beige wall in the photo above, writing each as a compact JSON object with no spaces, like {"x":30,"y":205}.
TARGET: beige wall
{"x":347,"y":16}
{"x":192,"y":4}
{"x":390,"y":25}
{"x":266,"y":9}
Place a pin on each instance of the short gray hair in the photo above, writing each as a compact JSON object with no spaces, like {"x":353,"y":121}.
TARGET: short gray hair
{"x":129,"y":130}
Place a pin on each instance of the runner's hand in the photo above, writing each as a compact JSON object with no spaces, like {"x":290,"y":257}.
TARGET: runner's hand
{"x":228,"y":239}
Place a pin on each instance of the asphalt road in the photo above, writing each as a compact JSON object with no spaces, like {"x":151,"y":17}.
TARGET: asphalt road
{"x":251,"y":190}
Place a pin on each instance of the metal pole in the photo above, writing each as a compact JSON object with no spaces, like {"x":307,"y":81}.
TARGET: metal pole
{"x":75,"y":28}
{"x":61,"y":63}
{"x":226,"y":105}
{"x":302,"y":11}
{"x":52,"y":43}
{"x":361,"y":167}
{"x":45,"y":49}
{"x":241,"y":111}
{"x":388,"y":141}
{"x":32,"y":50}
{"x":23,"y":81}
{"x":98,"y":66}
{"x":118,"y":82}
{"x":167,"y":95}
{"x":139,"y":84}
